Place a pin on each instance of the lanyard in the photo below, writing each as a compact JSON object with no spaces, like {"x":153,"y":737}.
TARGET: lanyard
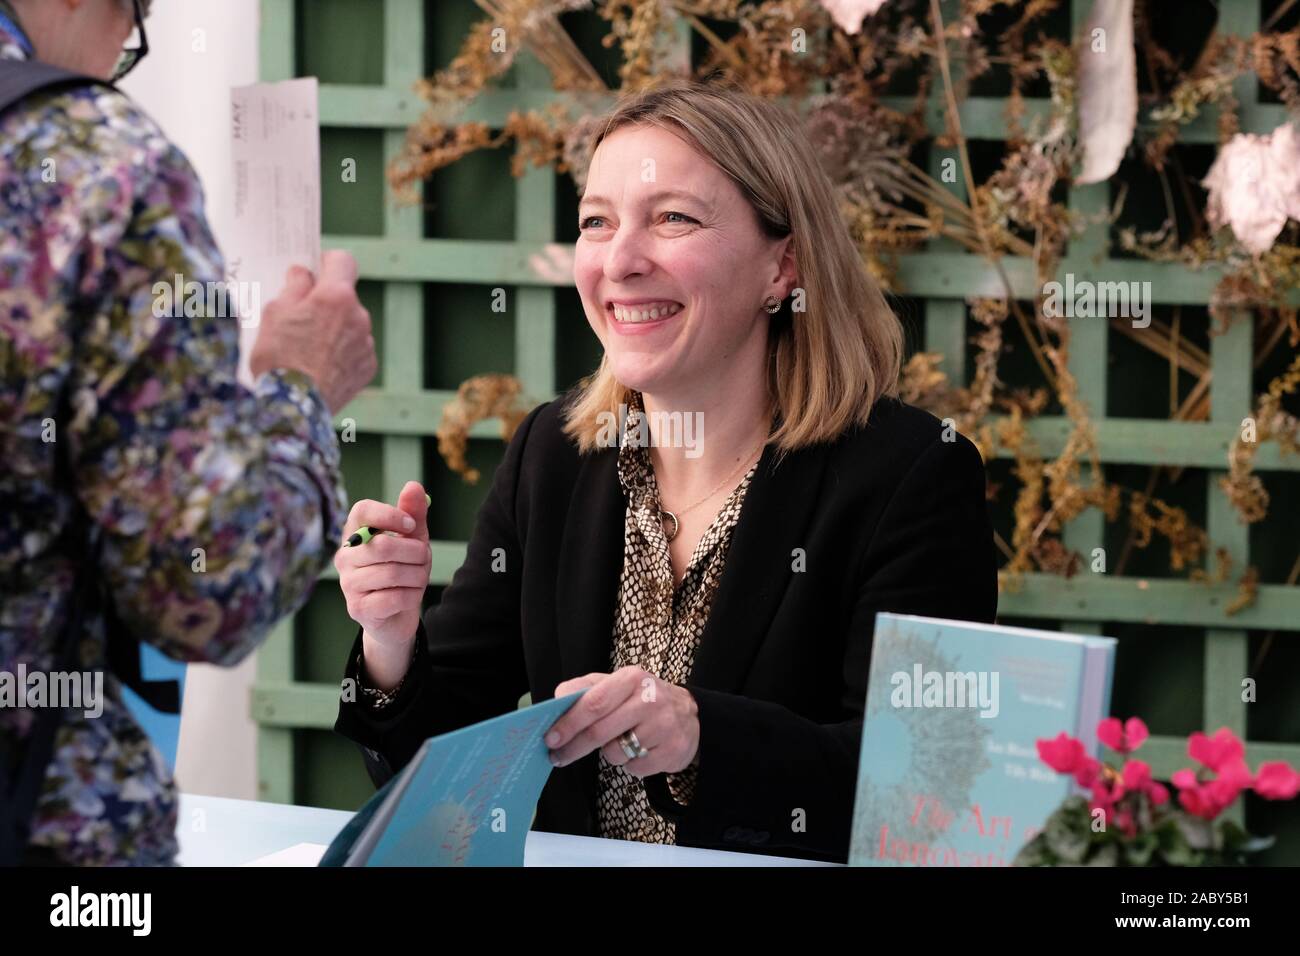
{"x":11,"y":27}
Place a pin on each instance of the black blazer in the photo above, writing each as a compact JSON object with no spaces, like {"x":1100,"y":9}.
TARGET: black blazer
{"x":889,"y":517}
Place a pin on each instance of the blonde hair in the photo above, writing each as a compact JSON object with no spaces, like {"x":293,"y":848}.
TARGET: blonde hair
{"x":827,"y":364}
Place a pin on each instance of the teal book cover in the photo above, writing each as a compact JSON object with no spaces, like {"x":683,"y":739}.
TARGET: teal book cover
{"x":467,"y":797}
{"x":949,"y":773}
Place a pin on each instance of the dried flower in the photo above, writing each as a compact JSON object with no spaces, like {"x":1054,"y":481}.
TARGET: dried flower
{"x":1254,"y":185}
{"x":478,"y":398}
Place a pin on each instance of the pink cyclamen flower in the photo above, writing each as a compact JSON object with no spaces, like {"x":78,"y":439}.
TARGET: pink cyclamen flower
{"x":1215,"y":752}
{"x":1104,"y":798}
{"x":1277,"y":781}
{"x":1137,"y":776}
{"x":1234,"y":777}
{"x":1207,"y":800}
{"x":1185,"y":779}
{"x":1196,"y":802}
{"x":1086,"y":773}
{"x":1123,"y":738}
{"x":1108,"y":790}
{"x":1124,"y":820}
{"x":1064,"y":754}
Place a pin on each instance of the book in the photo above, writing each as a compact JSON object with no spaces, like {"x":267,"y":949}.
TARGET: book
{"x":949,"y":773}
{"x":467,"y":798}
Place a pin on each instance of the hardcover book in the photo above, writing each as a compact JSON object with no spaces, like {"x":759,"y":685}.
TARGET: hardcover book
{"x":949,"y":773}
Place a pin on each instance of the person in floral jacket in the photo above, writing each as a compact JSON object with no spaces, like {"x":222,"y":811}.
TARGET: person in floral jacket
{"x":216,"y":506}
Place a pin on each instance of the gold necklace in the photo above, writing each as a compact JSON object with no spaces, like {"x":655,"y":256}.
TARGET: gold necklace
{"x":665,"y":514}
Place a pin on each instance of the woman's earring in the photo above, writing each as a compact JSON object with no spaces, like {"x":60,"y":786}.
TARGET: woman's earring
{"x":771,"y":304}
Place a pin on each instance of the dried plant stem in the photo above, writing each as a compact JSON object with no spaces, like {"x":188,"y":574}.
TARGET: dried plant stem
{"x":1159,"y":339}
{"x":1174,"y":334}
{"x":723,"y":48}
{"x":1131,"y":537}
{"x":1195,"y":408}
{"x":916,"y":185}
{"x":1001,"y":542}
{"x":1266,"y":348}
{"x":551,"y":44}
{"x":1279,"y":13}
{"x":954,"y":119}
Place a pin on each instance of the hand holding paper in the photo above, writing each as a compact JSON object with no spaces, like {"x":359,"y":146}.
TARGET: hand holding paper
{"x":322,"y":329}
{"x":316,"y":325}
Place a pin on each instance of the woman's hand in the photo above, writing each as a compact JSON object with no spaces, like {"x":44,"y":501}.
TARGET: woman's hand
{"x":664,"y":717}
{"x":384,"y":579}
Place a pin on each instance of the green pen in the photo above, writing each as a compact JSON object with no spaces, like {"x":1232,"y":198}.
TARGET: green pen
{"x":365,"y":533}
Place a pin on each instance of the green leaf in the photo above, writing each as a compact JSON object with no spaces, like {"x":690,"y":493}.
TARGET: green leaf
{"x":1198,"y":833}
{"x":1257,"y":844}
{"x":1035,"y":853}
{"x":1068,"y":835}
{"x":1104,"y":854}
{"x":1139,"y":850}
{"x":1235,"y":840}
{"x":1230,"y":835}
{"x":1174,"y":848}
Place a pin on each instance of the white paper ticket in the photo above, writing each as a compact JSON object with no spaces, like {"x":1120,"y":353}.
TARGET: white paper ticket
{"x":275,"y":145}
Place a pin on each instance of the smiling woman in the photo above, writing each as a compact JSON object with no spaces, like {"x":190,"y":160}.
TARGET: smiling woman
{"x":714,"y":188}
{"x":719,"y":600}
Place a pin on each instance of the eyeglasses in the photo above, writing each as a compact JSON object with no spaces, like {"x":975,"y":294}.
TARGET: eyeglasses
{"x":137,"y":46}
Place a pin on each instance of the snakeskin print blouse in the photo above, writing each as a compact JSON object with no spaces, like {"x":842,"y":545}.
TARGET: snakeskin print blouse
{"x":657,"y":627}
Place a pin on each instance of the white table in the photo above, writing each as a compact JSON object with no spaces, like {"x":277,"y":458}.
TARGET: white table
{"x":217,"y":831}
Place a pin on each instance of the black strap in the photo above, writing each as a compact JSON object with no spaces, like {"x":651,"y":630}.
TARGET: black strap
{"x":123,"y":654}
{"x":20,"y":78}
{"x":21,"y":779}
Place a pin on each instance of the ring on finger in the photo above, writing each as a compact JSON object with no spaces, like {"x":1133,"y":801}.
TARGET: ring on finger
{"x":631,"y":745}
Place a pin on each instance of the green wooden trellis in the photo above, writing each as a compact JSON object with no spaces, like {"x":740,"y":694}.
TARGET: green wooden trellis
{"x":402,"y":412}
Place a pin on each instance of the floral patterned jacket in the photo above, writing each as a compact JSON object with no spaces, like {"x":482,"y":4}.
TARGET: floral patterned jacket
{"x":217,"y":506}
